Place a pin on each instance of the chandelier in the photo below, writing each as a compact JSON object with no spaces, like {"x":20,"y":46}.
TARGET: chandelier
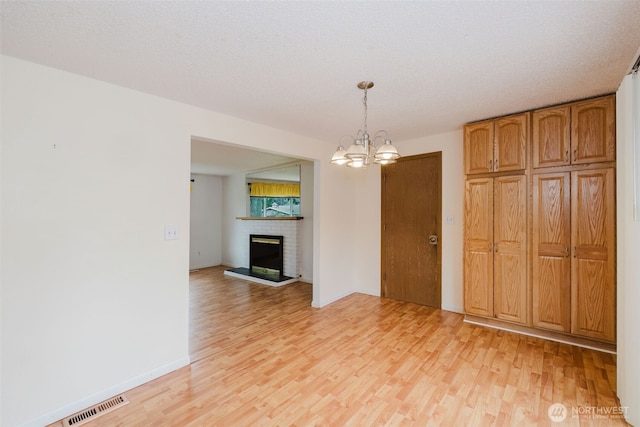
{"x":363,"y":148}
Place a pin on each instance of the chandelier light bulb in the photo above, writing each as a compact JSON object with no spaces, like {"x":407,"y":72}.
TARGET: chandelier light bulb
{"x":357,"y":151}
{"x":386,"y":152}
{"x":339,"y":157}
{"x":357,"y":164}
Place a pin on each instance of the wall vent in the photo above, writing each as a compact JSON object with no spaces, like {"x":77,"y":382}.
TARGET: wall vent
{"x":94,"y":411}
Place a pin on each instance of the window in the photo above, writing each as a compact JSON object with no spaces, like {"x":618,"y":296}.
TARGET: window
{"x":274,"y":200}
{"x":274,"y":206}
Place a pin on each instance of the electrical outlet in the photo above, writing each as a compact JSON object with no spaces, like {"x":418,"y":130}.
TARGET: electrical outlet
{"x":450,"y":219}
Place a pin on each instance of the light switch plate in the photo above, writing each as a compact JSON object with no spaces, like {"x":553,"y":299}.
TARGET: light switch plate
{"x":170,"y":233}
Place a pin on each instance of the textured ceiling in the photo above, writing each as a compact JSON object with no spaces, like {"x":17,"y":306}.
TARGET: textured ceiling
{"x":295,"y":65}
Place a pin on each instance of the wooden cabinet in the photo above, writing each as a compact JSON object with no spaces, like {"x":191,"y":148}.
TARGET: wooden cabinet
{"x":551,"y":262}
{"x":478,"y":147}
{"x":495,"y":266}
{"x":555,"y":214}
{"x":593,"y":127}
{"x":551,"y":137}
{"x":573,"y":252}
{"x":593,"y":264}
{"x":496,"y":145}
{"x":478,"y":247}
{"x":578,"y":133}
{"x":510,"y":248}
{"x":512,"y":134}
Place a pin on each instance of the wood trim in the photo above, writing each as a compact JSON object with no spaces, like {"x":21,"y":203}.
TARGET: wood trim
{"x":578,"y":167}
{"x":541,"y":333}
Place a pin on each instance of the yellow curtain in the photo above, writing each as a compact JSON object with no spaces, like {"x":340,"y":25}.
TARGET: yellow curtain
{"x":262,"y":189}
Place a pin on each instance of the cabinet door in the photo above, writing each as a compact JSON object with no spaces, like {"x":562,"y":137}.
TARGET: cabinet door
{"x":478,"y":148}
{"x":510,"y":248}
{"x":551,"y":136}
{"x":478,"y":244}
{"x":551,"y":250}
{"x":593,"y":264}
{"x":511,"y":136}
{"x":593,"y":130}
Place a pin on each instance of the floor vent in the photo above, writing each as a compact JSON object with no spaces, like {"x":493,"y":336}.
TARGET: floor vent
{"x":95,"y":411}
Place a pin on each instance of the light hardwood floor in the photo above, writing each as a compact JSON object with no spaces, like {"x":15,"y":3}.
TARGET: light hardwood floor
{"x":262,"y":356}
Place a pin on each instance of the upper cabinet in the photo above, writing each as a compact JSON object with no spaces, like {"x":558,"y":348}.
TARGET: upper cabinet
{"x":593,"y":131}
{"x":478,"y":147}
{"x":578,"y":133}
{"x":496,"y":145}
{"x":512,"y":134}
{"x":551,"y":137}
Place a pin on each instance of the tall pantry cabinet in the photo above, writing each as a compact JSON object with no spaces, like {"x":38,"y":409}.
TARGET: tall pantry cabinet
{"x":495,"y":226}
{"x":571,"y":229}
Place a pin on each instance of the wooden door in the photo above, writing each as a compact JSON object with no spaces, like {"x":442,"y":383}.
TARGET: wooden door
{"x":511,"y":135}
{"x":510,"y":248}
{"x":593,"y":130}
{"x":593,"y":264}
{"x":478,"y":246}
{"x":411,"y":215}
{"x":551,"y":137}
{"x":551,"y":252}
{"x":478,"y":148}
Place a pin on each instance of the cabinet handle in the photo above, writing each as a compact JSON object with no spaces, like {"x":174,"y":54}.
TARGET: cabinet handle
{"x":495,"y":167}
{"x":490,"y":247}
{"x":575,"y":155}
{"x":566,"y":252}
{"x":495,"y":248}
{"x":489,"y":165}
{"x":566,"y":156}
{"x":575,"y":251}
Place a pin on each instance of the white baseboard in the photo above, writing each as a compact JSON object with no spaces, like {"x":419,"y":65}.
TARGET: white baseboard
{"x":95,"y":398}
{"x":198,"y":267}
{"x":452,"y":308}
{"x":368,"y":292}
{"x":319,"y":304}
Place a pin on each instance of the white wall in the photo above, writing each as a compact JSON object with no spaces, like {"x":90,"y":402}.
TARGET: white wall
{"x":1,"y":258}
{"x":337,"y":268}
{"x":205,"y":241}
{"x":368,"y":225}
{"x":234,"y":204}
{"x":306,"y":211}
{"x":94,"y":301}
{"x":93,"y":296}
{"x":628,"y":233}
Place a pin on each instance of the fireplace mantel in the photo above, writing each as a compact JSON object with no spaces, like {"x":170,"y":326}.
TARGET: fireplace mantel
{"x":269,"y":218}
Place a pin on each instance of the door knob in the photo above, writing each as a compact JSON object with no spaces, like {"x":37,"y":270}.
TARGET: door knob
{"x":433,"y":240}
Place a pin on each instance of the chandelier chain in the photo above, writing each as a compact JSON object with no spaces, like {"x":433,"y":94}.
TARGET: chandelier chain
{"x":364,"y":101}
